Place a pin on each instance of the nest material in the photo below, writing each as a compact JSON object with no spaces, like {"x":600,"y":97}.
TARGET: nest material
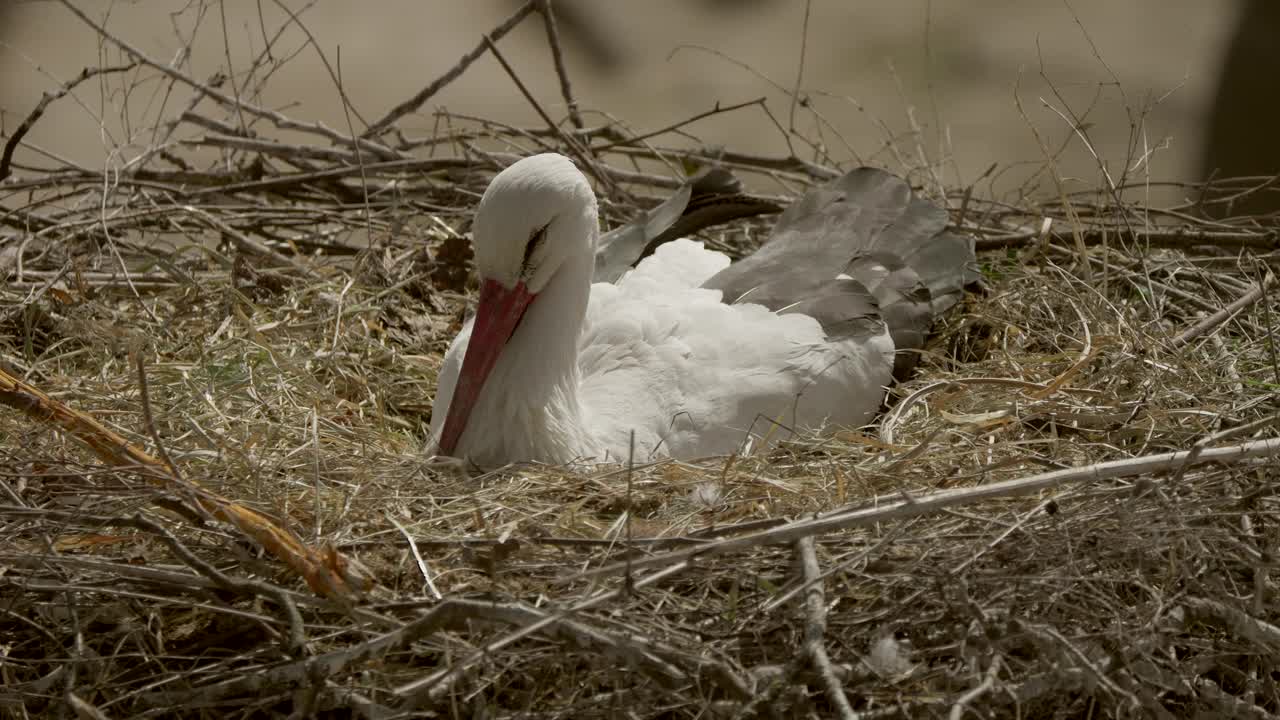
{"x":1068,"y":513}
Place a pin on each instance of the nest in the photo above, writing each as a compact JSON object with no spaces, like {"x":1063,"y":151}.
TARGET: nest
{"x":215,"y":500}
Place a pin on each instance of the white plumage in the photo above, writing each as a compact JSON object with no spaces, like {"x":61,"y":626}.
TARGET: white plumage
{"x":578,"y":367}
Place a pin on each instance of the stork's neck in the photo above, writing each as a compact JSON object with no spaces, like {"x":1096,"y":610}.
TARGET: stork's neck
{"x":530,"y":406}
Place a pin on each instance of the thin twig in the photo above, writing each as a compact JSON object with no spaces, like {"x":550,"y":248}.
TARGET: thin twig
{"x":412,"y":104}
{"x":30,"y":120}
{"x":553,"y":39}
{"x":716,"y":110}
{"x":297,"y":637}
{"x":582,"y":155}
{"x":417,"y":557}
{"x":631,"y":649}
{"x":1218,"y":318}
{"x":982,"y":688}
{"x":815,"y":628}
{"x":804,"y":48}
{"x":247,"y":243}
{"x":278,"y":119}
{"x":1169,"y":238}
{"x":940,"y":500}
{"x":1266,"y":314}
{"x":148,"y":418}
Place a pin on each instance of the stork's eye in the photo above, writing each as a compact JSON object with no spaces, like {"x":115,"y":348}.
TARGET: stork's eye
{"x":535,"y":240}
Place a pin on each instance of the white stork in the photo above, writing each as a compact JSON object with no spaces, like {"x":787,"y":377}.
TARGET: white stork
{"x":691,"y":354}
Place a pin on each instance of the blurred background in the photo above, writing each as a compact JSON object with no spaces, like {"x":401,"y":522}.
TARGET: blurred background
{"x":890,"y":83}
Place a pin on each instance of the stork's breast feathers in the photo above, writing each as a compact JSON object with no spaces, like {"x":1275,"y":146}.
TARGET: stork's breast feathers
{"x":677,"y":265}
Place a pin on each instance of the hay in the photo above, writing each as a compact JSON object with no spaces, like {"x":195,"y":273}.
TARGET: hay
{"x":1069,"y":512}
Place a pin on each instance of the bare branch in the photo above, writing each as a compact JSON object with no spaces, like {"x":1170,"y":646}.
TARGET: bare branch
{"x":412,"y":104}
{"x":934,"y":502}
{"x":279,"y":119}
{"x":29,"y":122}
{"x":815,"y":629}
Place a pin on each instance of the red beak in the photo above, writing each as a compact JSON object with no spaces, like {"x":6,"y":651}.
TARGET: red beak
{"x":497,"y":316}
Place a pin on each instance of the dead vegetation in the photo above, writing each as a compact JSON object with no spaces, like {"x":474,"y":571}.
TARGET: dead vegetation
{"x":220,"y":505}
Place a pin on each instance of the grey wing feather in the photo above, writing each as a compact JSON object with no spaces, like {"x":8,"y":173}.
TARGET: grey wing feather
{"x":712,"y":197}
{"x":844,"y":308}
{"x":619,"y":249}
{"x":903,"y":267}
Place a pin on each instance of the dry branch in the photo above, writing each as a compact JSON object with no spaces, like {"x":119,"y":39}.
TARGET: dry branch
{"x":933,"y":502}
{"x":984,"y":687}
{"x":412,"y":104}
{"x":30,"y":120}
{"x":326,"y":571}
{"x":1185,"y":237}
{"x":579,"y":152}
{"x":279,"y":119}
{"x":1221,"y":316}
{"x":815,"y":630}
{"x":546,"y":7}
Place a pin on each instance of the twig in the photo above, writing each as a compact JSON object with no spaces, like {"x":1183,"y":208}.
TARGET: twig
{"x":632,"y":650}
{"x":335,"y":75}
{"x":119,"y":570}
{"x":723,"y":676}
{"x":278,"y":149}
{"x":716,"y":110}
{"x":231,"y":72}
{"x":417,"y":556}
{"x":83,"y":709}
{"x":425,"y":94}
{"x":1179,"y":238}
{"x":804,"y":47}
{"x":286,"y":181}
{"x":1266,"y":314}
{"x":1097,"y":668}
{"x":988,"y":682}
{"x":796,"y":168}
{"x":940,"y":500}
{"x":569,"y":141}
{"x":25,"y":126}
{"x":553,"y":39}
{"x":248,"y":244}
{"x":784,"y":597}
{"x":900,"y":410}
{"x":815,"y":628}
{"x":1144,"y":281}
{"x":148,"y":418}
{"x":297,"y":637}
{"x":628,"y":581}
{"x":278,"y":119}
{"x":330,"y":664}
{"x":1221,"y":316}
{"x":1237,"y":621}
{"x":1230,"y":705}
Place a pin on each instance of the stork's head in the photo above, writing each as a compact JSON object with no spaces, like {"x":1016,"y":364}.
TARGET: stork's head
{"x":535,"y":215}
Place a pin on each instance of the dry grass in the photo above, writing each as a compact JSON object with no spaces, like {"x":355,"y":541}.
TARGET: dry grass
{"x":287,"y":309}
